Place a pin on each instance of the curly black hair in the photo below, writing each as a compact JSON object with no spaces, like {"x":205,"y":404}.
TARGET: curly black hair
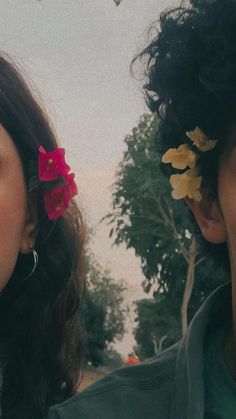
{"x":191,"y":81}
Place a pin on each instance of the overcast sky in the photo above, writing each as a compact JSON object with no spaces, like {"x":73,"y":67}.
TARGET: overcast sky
{"x":76,"y":54}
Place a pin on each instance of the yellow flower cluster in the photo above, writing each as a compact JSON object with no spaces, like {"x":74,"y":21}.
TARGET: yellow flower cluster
{"x":188,"y":184}
{"x":180,"y":157}
{"x":201,"y":140}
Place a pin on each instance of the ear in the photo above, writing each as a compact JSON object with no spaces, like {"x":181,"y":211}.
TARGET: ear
{"x":210,"y":219}
{"x":30,"y":228}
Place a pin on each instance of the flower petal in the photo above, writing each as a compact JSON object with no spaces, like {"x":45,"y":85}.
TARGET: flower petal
{"x":168,"y":156}
{"x":194,"y":188}
{"x":52,"y":165}
{"x":179,"y":180}
{"x":178,"y":194}
{"x":197,"y":196}
{"x":72,"y":185}
{"x":56,"y":201}
{"x":180,"y":184}
{"x":180,"y":157}
{"x":201,"y":140}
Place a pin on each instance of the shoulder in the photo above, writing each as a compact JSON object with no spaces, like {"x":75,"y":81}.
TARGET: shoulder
{"x":140,"y":391}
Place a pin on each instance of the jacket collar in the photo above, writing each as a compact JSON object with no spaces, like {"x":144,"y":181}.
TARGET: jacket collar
{"x":188,"y":400}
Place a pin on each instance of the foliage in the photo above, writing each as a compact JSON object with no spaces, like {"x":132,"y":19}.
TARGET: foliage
{"x":156,"y":323}
{"x":141,"y":200}
{"x":103,"y":311}
{"x":159,"y":229}
{"x":112,"y":359}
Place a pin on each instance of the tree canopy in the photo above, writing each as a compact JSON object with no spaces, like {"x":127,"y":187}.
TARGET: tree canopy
{"x":103,"y":311}
{"x":146,"y":218}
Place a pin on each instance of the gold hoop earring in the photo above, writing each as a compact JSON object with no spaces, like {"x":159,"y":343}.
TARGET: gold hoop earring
{"x":36,"y":259}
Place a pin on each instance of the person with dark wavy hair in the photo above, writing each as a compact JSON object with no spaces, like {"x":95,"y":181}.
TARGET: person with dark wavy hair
{"x":191,"y":84}
{"x":41,"y":258}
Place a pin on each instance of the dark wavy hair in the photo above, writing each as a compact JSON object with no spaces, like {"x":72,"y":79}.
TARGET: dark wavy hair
{"x":41,"y":340}
{"x":191,"y":81}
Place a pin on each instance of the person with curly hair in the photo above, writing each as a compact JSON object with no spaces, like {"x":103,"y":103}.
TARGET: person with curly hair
{"x":191,"y":84}
{"x":41,"y":258}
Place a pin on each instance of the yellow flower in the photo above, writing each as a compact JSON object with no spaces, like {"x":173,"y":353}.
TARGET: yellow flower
{"x":201,"y":140}
{"x":180,"y":157}
{"x":186,"y":184}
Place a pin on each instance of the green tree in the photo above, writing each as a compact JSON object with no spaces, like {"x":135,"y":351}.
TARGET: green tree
{"x":103,"y":311}
{"x":158,"y":228}
{"x":157,"y":327}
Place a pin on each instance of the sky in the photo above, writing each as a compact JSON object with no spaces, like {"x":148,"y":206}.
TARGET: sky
{"x":76,"y":56}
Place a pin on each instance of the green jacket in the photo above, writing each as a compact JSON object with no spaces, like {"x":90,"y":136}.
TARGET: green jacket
{"x":169,"y":386}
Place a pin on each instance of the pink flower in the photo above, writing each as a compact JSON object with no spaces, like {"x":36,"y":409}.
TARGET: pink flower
{"x":70,"y":179}
{"x":57,"y":200}
{"x":52,"y":165}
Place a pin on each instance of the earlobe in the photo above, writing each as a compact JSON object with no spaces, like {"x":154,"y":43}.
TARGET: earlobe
{"x":30,"y":228}
{"x":209,"y":218}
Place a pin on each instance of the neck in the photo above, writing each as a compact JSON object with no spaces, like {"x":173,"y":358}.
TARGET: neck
{"x":230,"y":341}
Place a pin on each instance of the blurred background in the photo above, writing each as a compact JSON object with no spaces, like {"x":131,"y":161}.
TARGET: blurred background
{"x":76,"y":55}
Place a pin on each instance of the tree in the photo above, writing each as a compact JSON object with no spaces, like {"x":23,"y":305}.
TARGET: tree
{"x":157,"y":327}
{"x":103,"y":311}
{"x":158,"y":228}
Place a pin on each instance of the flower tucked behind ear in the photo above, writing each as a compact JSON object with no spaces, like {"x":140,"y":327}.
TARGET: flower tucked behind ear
{"x":187,"y":184}
{"x":51,"y":165}
{"x":180,"y":157}
{"x":201,"y":140}
{"x":57,"y":200}
{"x":52,"y":173}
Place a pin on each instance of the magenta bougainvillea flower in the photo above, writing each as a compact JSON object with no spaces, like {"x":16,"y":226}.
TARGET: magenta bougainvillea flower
{"x":57,"y":200}
{"x":52,"y":174}
{"x":52,"y":165}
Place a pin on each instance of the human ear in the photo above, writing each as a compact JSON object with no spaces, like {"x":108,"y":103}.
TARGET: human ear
{"x":30,"y":227}
{"x":210,"y":219}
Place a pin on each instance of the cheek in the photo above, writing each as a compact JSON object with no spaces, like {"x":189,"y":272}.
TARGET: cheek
{"x":227,"y":198}
{"x":12,"y":220}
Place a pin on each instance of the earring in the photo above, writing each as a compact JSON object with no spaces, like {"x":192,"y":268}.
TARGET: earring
{"x":36,"y":259}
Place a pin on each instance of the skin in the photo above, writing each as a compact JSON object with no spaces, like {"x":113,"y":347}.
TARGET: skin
{"x":17,"y":219}
{"x":217,"y":221}
{"x":227,"y":179}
